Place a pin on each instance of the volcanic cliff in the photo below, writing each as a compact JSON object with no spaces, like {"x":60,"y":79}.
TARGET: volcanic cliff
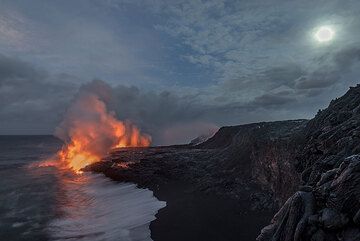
{"x":327,"y":206}
{"x":262,"y":165}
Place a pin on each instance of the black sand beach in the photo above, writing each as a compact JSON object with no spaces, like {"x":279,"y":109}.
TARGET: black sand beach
{"x":199,"y":207}
{"x":204,"y":217}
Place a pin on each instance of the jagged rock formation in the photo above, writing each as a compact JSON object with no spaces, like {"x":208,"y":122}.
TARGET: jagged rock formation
{"x":327,"y":207}
{"x":329,"y":210}
{"x":333,"y":134}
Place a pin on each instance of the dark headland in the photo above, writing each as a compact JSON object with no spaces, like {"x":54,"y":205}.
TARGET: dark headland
{"x":230,"y":186}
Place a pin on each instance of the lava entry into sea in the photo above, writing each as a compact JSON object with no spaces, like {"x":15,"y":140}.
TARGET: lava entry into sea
{"x":90,"y":131}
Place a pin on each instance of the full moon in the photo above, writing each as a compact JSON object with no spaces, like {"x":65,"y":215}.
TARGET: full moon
{"x":324,"y":34}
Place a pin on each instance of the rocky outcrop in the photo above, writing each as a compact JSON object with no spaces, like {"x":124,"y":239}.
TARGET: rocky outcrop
{"x":329,"y":210}
{"x":329,"y":165}
{"x":333,"y":134}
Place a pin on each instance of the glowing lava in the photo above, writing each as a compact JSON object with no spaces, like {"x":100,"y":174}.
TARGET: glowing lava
{"x":90,"y":131}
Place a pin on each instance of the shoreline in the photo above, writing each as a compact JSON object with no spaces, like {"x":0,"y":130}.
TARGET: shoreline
{"x":203,"y":217}
{"x":190,"y":213}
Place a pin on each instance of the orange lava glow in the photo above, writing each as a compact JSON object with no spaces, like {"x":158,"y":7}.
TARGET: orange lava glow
{"x":90,"y":132}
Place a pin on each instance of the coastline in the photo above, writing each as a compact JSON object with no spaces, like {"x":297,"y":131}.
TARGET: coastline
{"x":197,"y":216}
{"x":191,"y":213}
{"x":258,"y":166}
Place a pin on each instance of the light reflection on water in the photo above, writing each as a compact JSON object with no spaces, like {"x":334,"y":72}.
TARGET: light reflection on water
{"x":95,"y":208}
{"x":51,"y":204}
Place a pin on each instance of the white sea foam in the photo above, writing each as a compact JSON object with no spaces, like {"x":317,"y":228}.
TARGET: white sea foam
{"x":94,"y":208}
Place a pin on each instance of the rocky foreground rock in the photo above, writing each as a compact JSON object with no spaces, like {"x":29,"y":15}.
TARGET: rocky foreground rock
{"x":327,"y":205}
{"x":310,"y":169}
{"x":328,"y":210}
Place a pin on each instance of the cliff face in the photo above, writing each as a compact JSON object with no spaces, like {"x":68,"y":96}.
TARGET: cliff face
{"x":327,"y":207}
{"x":333,"y":134}
{"x":262,"y":153}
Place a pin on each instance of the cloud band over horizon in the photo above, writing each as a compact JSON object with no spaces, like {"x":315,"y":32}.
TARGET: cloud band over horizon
{"x":177,"y":69}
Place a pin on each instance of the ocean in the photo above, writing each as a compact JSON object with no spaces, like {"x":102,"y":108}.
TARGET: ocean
{"x":45,"y":203}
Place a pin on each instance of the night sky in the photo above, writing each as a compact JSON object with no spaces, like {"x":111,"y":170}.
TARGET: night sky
{"x":178,"y":69}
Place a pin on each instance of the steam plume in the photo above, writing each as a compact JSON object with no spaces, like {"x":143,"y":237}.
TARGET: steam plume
{"x":90,"y":130}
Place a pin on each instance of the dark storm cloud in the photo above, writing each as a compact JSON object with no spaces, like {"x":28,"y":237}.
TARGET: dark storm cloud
{"x":162,"y":113}
{"x":282,"y":86}
{"x":161,"y":107}
{"x":12,"y":69}
{"x":278,"y":76}
{"x":268,"y":79}
{"x":268,"y":100}
{"x":327,"y":71}
{"x":331,"y":68}
{"x":30,"y":100}
{"x":33,"y":102}
{"x":345,"y":58}
{"x":315,"y":81}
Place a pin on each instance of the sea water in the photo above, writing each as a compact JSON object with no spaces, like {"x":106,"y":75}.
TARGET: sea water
{"x":45,"y":203}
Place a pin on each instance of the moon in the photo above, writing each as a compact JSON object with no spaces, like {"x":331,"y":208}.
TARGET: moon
{"x":324,"y":34}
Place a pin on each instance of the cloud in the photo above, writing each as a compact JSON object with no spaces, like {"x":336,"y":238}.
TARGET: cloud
{"x":331,"y":68}
{"x":83,"y":38}
{"x":180,"y":64}
{"x":254,"y":47}
{"x":237,"y":37}
{"x":31,"y":101}
{"x":34,"y":102}
{"x":267,"y":100}
{"x":158,"y":113}
{"x":345,"y":58}
{"x":12,"y":69}
{"x":184,"y":132}
{"x":315,"y":81}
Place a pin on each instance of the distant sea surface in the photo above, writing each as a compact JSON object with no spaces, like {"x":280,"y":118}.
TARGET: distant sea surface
{"x":44,"y":203}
